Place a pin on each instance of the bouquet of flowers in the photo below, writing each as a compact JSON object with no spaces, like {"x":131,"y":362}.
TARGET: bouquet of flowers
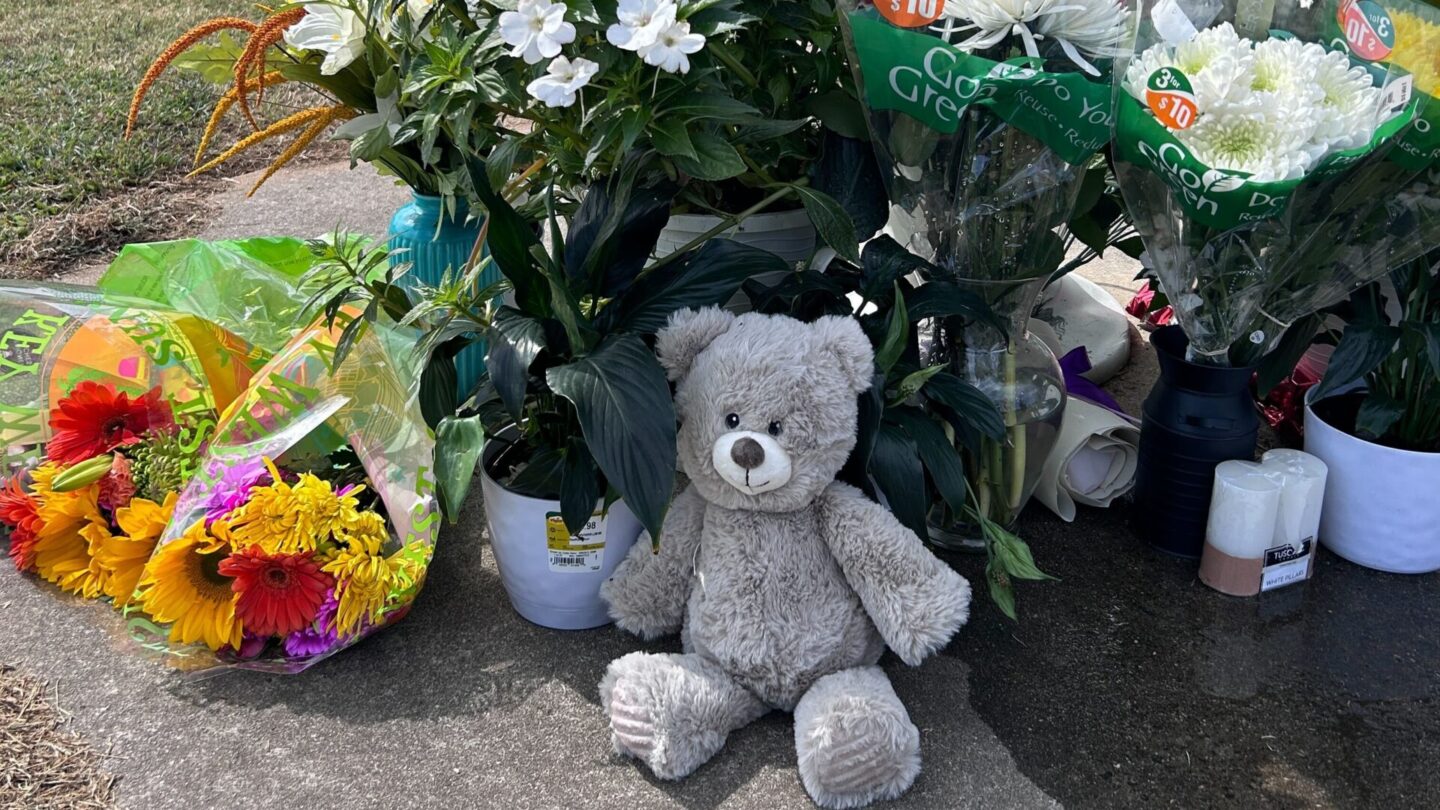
{"x":1260,"y":159}
{"x":985,"y":115}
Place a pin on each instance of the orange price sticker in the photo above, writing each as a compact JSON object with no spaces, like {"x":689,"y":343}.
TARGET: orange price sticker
{"x":910,"y":13}
{"x":1170,"y":97}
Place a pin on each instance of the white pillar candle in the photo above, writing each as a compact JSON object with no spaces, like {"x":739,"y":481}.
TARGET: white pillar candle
{"x":1302,"y":477}
{"x":1243,"y":508}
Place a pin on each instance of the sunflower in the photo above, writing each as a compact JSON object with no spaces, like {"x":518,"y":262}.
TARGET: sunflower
{"x":284,"y":518}
{"x":278,"y":594}
{"x":94,"y":419}
{"x":182,"y":586}
{"x":20,"y":513}
{"x":124,"y":555}
{"x":72,"y":522}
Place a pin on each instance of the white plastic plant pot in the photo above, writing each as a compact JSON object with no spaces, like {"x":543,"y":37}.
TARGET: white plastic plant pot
{"x":552,"y":578}
{"x":788,"y":234}
{"x":1380,"y":507}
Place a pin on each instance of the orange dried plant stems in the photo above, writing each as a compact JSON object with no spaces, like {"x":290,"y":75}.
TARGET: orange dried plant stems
{"x":284,"y":125}
{"x":223,"y":106}
{"x":337,"y":113}
{"x":269,"y":32}
{"x":179,"y":46}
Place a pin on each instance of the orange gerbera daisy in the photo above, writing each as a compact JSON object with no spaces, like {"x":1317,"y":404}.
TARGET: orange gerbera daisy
{"x":95,"y":419}
{"x":278,"y":593}
{"x":20,"y":513}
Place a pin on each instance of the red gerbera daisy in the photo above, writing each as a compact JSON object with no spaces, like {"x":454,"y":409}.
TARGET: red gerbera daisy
{"x":18,"y":511}
{"x":95,"y":419}
{"x":279,"y":593}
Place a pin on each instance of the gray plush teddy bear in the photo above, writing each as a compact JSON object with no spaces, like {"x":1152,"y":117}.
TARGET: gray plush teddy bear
{"x":785,"y":585}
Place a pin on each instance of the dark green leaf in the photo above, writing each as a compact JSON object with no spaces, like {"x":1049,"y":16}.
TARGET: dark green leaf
{"x":765,"y":130}
{"x":512,"y":343}
{"x":540,"y":477}
{"x":510,"y":240}
{"x":968,"y":402}
{"x":937,"y":453}
{"x":941,"y":299}
{"x":1378,"y":413}
{"x":897,"y":333}
{"x":1280,"y":362}
{"x":714,"y":159}
{"x":895,"y":466}
{"x":847,"y":171}
{"x":439,"y":388}
{"x":882,"y":264}
{"x":672,"y":140}
{"x":614,"y":232}
{"x":1429,"y":334}
{"x":709,"y":275}
{"x":840,"y":112}
{"x":694,"y":106}
{"x":1363,"y":347}
{"x":623,"y":400}
{"x":1002,"y":593}
{"x":458,"y":443}
{"x":831,"y":222}
{"x":579,"y":487}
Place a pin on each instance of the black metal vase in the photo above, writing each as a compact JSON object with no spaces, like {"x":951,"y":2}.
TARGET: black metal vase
{"x":1195,"y":417}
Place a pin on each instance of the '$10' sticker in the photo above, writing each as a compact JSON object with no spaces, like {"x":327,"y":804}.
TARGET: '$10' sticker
{"x":910,"y":13}
{"x":1367,"y":28}
{"x":1169,"y":95}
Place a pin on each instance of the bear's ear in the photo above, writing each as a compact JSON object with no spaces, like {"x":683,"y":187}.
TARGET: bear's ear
{"x":687,"y":334}
{"x":843,"y":338}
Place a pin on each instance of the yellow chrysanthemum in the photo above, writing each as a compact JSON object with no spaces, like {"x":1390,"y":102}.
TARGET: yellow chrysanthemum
{"x":62,"y":547}
{"x":287,"y":518}
{"x":363,"y":581}
{"x":124,"y":555}
{"x":182,"y":586}
{"x":364,"y":531}
{"x":1417,"y":49}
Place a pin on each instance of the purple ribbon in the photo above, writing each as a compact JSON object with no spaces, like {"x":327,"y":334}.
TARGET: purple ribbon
{"x":1075,"y":363}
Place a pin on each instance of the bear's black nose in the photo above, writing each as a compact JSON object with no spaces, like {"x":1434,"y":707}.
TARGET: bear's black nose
{"x":747,"y":453}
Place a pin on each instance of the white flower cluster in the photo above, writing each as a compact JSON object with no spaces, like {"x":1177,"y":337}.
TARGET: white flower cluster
{"x":1272,"y":109}
{"x":1082,"y":28}
{"x":536,"y":30}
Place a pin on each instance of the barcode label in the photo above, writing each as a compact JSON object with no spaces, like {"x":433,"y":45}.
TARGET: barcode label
{"x":577,"y":553}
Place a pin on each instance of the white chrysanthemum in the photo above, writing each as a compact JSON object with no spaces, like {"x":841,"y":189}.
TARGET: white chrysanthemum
{"x":1349,"y":103}
{"x":1260,"y":143}
{"x":1218,"y":63}
{"x":1082,"y":28}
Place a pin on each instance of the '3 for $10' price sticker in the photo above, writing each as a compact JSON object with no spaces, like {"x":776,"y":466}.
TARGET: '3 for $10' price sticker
{"x":1170,"y":97}
{"x":910,"y":13}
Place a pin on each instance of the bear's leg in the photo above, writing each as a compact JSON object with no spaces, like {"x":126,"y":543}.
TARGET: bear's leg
{"x":855,"y":742}
{"x":673,"y":711}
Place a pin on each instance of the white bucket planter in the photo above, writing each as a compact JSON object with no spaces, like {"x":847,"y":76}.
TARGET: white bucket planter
{"x":1380,"y":506}
{"x":788,"y":234}
{"x":554,"y":579}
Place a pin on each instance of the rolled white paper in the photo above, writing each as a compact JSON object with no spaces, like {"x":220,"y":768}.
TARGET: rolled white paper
{"x":1093,"y":461}
{"x":1302,"y":477}
{"x":1243,"y":509}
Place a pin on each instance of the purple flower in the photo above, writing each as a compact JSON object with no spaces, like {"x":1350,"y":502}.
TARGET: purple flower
{"x":233,"y":488}
{"x":320,"y":637}
{"x":251,"y":646}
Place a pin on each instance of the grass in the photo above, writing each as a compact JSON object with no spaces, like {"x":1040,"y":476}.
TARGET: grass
{"x":70,"y":184}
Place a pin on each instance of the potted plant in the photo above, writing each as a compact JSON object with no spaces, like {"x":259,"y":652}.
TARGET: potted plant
{"x":572,"y":422}
{"x":1374,"y":419}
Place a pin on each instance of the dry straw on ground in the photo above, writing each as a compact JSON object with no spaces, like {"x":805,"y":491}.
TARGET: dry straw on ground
{"x":41,"y":765}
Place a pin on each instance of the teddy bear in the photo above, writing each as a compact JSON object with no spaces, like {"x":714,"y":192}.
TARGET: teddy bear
{"x":785,"y":585}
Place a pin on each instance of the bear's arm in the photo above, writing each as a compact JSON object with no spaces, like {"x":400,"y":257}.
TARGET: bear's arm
{"x":916,"y":601}
{"x":648,"y":591}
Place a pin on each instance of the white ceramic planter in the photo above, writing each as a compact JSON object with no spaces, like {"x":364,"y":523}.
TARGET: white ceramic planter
{"x":553,"y":580}
{"x":787,"y":234}
{"x":1381,"y":509}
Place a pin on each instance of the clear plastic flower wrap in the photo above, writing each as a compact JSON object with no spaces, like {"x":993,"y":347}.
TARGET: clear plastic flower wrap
{"x":1260,"y":149}
{"x":984,"y":115}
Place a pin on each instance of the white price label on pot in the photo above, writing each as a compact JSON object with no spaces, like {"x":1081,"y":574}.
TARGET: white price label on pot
{"x":1286,"y":565}
{"x":582,"y":553}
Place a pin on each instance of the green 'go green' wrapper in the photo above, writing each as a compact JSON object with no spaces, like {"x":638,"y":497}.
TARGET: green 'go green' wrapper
{"x":933,"y":82}
{"x":1219,"y":199}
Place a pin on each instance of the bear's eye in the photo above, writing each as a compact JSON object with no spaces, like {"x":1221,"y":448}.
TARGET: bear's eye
{"x":775,"y":428}
{"x":732,"y":421}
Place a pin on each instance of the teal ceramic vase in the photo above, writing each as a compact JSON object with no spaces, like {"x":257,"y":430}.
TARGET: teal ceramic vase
{"x":430,"y":251}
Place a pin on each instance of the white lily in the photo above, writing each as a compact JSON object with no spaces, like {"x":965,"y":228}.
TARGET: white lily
{"x":673,"y":44}
{"x":334,"y":30}
{"x":640,"y":22}
{"x":562,"y":80}
{"x":536,"y":29}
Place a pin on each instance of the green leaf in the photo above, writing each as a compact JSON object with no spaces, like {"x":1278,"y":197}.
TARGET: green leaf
{"x":1002,"y":593}
{"x":709,"y":275}
{"x":1429,"y":333}
{"x":1378,"y":413}
{"x":761,"y":131}
{"x":512,"y":344}
{"x":439,"y":389}
{"x":540,"y":477}
{"x":511,"y":239}
{"x":847,"y":171}
{"x":895,"y":466}
{"x":626,"y":415}
{"x":968,"y":402}
{"x":883,"y":263}
{"x":672,"y":139}
{"x":941,"y":299}
{"x":1362,"y":348}
{"x":696,"y":106}
{"x":714,"y":159}
{"x":937,"y":453}
{"x":897,"y":333}
{"x":1280,"y":362}
{"x":579,"y":487}
{"x":914,"y":381}
{"x":458,"y":443}
{"x":831,"y":222}
{"x":841,"y":113}
{"x":614,"y":232}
